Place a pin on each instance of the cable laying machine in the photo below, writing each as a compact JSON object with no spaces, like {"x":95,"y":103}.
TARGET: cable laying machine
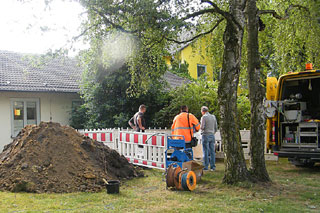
{"x":177,"y":152}
{"x":176,"y":155}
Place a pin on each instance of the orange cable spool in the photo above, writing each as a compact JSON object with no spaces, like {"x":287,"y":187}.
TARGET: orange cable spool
{"x":176,"y":176}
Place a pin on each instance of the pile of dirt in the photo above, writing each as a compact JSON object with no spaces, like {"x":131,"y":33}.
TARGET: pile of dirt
{"x":55,"y":158}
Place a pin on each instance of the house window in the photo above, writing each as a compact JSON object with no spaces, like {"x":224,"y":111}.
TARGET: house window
{"x":76,"y":103}
{"x":24,"y":112}
{"x":201,"y":69}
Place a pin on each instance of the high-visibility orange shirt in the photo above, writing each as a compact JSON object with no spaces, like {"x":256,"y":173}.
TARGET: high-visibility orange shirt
{"x":180,"y":125}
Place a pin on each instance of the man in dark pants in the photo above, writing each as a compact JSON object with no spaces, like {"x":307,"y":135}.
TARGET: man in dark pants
{"x":208,"y":128}
{"x":138,"y":122}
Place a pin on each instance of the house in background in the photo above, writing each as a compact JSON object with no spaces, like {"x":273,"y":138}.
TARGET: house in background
{"x":196,"y":54}
{"x":30,"y":94}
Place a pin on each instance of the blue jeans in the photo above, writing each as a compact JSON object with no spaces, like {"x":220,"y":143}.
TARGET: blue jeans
{"x":208,"y":151}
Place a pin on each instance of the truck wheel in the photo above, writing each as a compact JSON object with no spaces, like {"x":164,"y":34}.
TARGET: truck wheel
{"x":302,"y":163}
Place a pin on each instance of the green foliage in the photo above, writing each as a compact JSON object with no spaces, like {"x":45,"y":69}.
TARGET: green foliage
{"x":287,"y":45}
{"x":145,"y":22}
{"x":195,"y":95}
{"x":180,"y":69}
{"x":244,"y":111}
{"x":146,"y":66}
{"x":78,"y":117}
{"x":108,"y":105}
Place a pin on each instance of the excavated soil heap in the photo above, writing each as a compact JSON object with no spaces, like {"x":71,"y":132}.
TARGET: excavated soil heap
{"x":55,"y":158}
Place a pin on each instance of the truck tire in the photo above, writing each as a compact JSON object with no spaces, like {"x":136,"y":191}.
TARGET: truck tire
{"x":305,"y":163}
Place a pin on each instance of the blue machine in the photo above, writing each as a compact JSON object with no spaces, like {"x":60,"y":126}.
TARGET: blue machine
{"x":180,"y":153}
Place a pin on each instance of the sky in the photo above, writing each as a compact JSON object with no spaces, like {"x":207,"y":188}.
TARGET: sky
{"x":29,"y":26}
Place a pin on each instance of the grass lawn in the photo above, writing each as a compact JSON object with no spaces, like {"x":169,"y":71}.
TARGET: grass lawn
{"x":293,"y":190}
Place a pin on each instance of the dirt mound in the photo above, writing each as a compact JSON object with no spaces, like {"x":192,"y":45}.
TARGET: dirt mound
{"x":55,"y":158}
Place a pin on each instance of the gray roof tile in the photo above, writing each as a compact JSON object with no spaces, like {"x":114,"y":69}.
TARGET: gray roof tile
{"x":174,"y":80}
{"x":18,"y":72}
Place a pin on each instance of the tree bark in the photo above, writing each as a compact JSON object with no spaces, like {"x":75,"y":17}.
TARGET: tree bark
{"x":235,"y":165}
{"x":256,"y":96}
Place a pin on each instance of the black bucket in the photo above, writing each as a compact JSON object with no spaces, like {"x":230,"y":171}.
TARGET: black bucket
{"x":113,"y":187}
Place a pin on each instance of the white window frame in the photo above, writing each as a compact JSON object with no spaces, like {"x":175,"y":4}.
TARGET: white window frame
{"x":24,"y":100}
{"x":201,"y":65}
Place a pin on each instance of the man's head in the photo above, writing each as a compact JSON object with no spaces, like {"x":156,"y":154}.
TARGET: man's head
{"x":184,"y":108}
{"x":142,"y":108}
{"x":204,"y":110}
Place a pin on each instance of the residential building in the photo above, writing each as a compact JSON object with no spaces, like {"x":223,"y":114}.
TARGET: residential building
{"x":32,"y":91}
{"x":196,"y":54}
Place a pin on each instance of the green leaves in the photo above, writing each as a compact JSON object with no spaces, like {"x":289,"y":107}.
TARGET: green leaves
{"x":195,"y":95}
{"x":287,"y":45}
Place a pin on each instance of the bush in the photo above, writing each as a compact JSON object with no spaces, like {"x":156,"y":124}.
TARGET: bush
{"x":107,"y":103}
{"x":195,"y":95}
{"x":78,"y":117}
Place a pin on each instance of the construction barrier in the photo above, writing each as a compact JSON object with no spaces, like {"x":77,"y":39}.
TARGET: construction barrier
{"x":148,"y":148}
{"x":245,"y":141}
{"x":106,"y":136}
{"x":144,"y":149}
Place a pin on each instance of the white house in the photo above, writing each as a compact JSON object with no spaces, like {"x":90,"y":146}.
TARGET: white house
{"x":30,"y":92}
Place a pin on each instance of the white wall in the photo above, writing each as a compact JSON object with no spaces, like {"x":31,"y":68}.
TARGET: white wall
{"x":55,"y":105}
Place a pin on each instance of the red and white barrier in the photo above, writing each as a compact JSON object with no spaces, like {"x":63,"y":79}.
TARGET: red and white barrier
{"x":148,"y":148}
{"x":144,"y":149}
{"x":107,"y":136}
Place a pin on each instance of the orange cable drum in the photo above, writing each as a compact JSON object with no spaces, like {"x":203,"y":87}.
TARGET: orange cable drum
{"x":179,"y":187}
{"x":176,"y":176}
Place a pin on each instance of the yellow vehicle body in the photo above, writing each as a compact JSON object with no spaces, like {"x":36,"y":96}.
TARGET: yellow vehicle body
{"x":293,"y":124}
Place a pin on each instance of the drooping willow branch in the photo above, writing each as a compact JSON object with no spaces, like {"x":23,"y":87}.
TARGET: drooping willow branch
{"x":287,"y":12}
{"x":197,"y":36}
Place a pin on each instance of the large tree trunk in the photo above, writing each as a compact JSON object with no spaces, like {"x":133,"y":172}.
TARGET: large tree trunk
{"x":235,"y":165}
{"x":256,"y":95}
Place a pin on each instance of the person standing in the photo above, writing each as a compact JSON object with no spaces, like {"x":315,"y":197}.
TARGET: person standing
{"x":209,"y":127}
{"x":138,"y":122}
{"x":184,"y":123}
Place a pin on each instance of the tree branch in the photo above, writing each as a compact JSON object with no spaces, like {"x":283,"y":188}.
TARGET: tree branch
{"x":116,"y":26}
{"x":84,"y":32}
{"x":225,"y":14}
{"x":197,"y":36}
{"x":216,"y":8}
{"x":158,"y":41}
{"x":287,"y":12}
{"x":198,"y":13}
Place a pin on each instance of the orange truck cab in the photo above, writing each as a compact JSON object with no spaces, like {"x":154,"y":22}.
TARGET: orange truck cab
{"x":293,"y":112}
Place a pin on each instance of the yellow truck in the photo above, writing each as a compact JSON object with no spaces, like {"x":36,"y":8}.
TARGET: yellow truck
{"x":293,"y":112}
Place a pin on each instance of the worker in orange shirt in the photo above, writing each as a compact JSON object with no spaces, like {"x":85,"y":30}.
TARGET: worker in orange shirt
{"x":181,"y":126}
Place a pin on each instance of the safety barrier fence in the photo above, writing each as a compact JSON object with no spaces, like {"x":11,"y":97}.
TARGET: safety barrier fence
{"x":148,"y":148}
{"x":245,"y":140}
{"x":107,"y":136}
{"x":144,"y":149}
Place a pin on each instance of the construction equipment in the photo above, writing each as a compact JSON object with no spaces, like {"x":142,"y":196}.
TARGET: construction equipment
{"x":293,"y":111}
{"x":177,"y":152}
{"x":179,"y":179}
